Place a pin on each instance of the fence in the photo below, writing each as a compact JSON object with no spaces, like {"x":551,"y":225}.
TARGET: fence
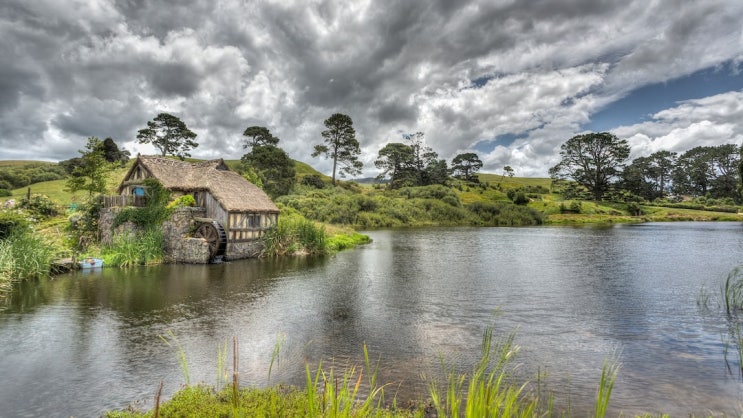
{"x":119,"y":200}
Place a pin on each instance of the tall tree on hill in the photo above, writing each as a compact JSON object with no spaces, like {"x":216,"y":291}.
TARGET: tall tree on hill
{"x":113,"y":154}
{"x":424,"y":158}
{"x":592,"y":160}
{"x":274,"y":168}
{"x":271,"y":164}
{"x":257,"y":136}
{"x":396,"y":161}
{"x":92,"y":172}
{"x":341,"y":145}
{"x":466,"y":165}
{"x":168,"y":134}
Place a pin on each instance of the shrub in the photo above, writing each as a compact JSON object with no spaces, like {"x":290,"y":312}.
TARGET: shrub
{"x":313,"y":180}
{"x":12,"y":222}
{"x":183,"y":201}
{"x":39,"y":206}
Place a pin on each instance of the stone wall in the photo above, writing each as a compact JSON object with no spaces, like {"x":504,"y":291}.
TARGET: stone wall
{"x":238,"y":250}
{"x":178,"y":246}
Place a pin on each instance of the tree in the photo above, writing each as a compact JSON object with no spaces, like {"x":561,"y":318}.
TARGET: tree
{"x":508,"y":171}
{"x":92,"y":172}
{"x":423,"y":157}
{"x":257,"y":136}
{"x":466,"y":165}
{"x":340,"y":145}
{"x":436,"y":172}
{"x":396,"y":161}
{"x":274,"y":168}
{"x":662,"y":164}
{"x":712,"y":170}
{"x":168,"y":134}
{"x":592,"y":160}
{"x":112,"y":154}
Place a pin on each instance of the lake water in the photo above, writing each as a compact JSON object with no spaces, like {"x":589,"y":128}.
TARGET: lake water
{"x":87,"y":342}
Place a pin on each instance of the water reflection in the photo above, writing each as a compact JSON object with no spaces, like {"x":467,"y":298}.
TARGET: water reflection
{"x":574,"y":295}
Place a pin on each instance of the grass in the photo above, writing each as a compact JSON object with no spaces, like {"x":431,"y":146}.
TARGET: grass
{"x":139,"y":249}
{"x":24,"y":255}
{"x":489,"y":390}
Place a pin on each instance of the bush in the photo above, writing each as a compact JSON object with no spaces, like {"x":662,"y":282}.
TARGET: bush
{"x":183,"y":201}
{"x":520,"y":199}
{"x":39,"y":206}
{"x":313,"y":180}
{"x":12,"y":222}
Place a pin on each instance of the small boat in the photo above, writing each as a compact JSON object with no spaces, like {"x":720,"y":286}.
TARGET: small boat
{"x":90,"y":263}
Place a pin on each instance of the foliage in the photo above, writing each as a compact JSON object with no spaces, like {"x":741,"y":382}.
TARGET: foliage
{"x":294,"y":234}
{"x":24,"y":173}
{"x":23,"y":255}
{"x":168,"y":134}
{"x":251,"y":175}
{"x":505,"y":214}
{"x":340,"y":145}
{"x":83,"y":224}
{"x":142,"y":248}
{"x":709,"y":170}
{"x":12,"y":222}
{"x":258,"y":136}
{"x":39,"y":206}
{"x":490,"y":389}
{"x":396,"y":162}
{"x":313,"y":180}
{"x":91,"y":174}
{"x":592,"y":160}
{"x":274,"y":168}
{"x":466,"y":165}
{"x":184,"y":201}
{"x":113,"y":154}
{"x":155,"y":211}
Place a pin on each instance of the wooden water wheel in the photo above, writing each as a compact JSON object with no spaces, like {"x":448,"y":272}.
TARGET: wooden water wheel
{"x":214,"y":235}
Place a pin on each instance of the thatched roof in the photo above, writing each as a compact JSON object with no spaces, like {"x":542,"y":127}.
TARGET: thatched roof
{"x":234,"y":192}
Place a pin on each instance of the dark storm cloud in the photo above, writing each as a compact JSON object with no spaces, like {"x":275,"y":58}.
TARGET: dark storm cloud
{"x":104,"y":68}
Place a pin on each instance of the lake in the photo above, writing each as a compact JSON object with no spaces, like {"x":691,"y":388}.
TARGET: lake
{"x":86,"y":342}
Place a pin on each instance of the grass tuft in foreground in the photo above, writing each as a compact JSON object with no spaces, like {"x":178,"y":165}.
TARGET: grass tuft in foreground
{"x":490,"y":390}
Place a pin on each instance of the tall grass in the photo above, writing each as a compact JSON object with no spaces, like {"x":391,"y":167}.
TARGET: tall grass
{"x":295,"y":234}
{"x":143,"y":248}
{"x":490,"y":389}
{"x":609,"y":373}
{"x":733,"y":290}
{"x":23,"y":255}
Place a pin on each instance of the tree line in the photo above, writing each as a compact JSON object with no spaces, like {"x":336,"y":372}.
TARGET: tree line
{"x":599,"y":162}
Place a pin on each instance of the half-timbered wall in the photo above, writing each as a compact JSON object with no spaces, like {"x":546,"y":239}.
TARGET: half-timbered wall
{"x":248,"y":226}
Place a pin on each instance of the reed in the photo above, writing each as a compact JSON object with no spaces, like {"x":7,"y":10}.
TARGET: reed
{"x":128,"y":250}
{"x":24,"y":255}
{"x":490,"y":387}
{"x":609,"y":372}
{"x":172,"y":341}
{"x":340,"y":396}
{"x":733,"y":290}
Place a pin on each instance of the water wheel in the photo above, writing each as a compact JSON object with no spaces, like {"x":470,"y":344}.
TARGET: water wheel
{"x":214,"y":235}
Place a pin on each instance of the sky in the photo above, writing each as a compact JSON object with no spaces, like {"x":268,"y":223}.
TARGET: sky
{"x":509,"y":80}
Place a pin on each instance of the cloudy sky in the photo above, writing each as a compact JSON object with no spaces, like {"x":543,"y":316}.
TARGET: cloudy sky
{"x":510,"y":80}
